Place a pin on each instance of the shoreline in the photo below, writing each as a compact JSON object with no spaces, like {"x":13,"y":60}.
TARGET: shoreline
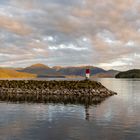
{"x":68,"y":92}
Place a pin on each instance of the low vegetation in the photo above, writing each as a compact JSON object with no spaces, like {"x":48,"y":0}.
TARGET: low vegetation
{"x":135,"y":73}
{"x":9,"y":73}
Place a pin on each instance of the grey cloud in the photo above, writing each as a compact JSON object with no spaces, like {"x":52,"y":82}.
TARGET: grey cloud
{"x":107,"y":25}
{"x":15,"y":26}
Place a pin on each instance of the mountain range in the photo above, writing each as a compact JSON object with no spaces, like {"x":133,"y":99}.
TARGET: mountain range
{"x":41,"y":70}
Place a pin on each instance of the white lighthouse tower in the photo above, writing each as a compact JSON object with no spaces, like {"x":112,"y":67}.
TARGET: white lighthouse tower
{"x":87,"y":74}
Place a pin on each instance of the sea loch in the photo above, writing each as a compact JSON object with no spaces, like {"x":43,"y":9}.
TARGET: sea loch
{"x":115,"y":118}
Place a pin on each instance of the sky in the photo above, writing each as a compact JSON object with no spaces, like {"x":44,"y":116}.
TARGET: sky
{"x":103,"y":33}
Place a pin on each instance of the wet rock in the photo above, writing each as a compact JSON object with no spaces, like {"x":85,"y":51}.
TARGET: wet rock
{"x":82,"y":92}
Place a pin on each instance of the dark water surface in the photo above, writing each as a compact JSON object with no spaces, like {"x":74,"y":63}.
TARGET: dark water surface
{"x":117,"y":118}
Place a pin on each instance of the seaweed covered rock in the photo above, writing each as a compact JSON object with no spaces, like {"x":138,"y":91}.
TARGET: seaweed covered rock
{"x":74,"y":92}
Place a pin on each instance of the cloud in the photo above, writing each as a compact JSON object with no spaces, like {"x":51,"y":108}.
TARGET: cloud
{"x":109,"y":30}
{"x":15,"y":26}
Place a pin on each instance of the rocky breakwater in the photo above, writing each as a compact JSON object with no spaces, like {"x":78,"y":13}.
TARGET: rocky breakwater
{"x":74,"y":92}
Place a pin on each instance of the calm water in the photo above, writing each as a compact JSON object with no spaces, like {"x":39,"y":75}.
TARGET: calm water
{"x":117,"y":118}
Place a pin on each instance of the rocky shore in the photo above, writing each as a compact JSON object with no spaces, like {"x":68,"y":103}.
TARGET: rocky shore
{"x":75,"y":92}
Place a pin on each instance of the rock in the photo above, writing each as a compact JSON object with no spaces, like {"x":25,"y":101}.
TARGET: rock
{"x":82,"y":92}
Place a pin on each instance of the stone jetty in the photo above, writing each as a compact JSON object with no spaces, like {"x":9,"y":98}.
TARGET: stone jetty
{"x":68,"y":92}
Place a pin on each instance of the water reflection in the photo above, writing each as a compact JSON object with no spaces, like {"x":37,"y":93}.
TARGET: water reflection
{"x":115,"y":118}
{"x":87,"y":112}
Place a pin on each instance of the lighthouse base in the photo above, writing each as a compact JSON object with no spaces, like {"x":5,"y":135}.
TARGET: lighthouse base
{"x":87,"y":76}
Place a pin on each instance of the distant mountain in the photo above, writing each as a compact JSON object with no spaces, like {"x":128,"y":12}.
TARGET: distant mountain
{"x":43,"y":70}
{"x":10,"y":73}
{"x":39,"y":69}
{"x":135,"y":73}
{"x":36,"y":66}
{"x":107,"y":74}
{"x":112,"y":73}
{"x":79,"y":71}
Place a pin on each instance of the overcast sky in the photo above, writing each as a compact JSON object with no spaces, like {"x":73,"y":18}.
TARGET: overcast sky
{"x":104,"y":33}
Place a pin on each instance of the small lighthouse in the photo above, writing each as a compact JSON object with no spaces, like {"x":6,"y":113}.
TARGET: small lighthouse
{"x":87,"y":74}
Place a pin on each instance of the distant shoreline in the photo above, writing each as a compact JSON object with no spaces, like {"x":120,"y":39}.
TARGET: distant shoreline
{"x":50,"y":76}
{"x":135,"y":73}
